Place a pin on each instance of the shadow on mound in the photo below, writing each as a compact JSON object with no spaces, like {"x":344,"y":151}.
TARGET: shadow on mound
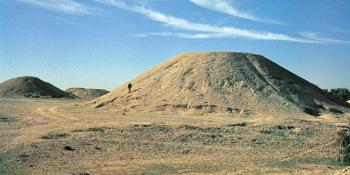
{"x":31,"y":87}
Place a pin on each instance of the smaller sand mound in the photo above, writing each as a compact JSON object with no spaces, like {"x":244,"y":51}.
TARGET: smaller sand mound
{"x":348,"y":101}
{"x":87,"y":93}
{"x":31,"y":87}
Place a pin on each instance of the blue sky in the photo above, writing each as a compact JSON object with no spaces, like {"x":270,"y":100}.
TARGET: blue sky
{"x":104,"y":43}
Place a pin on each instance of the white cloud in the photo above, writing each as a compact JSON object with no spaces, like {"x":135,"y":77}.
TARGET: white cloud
{"x":222,"y":31}
{"x":115,"y":3}
{"x":65,"y":6}
{"x":208,"y":30}
{"x":314,"y":36}
{"x":184,"y":35}
{"x":224,"y":6}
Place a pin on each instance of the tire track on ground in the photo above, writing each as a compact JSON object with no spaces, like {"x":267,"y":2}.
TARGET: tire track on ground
{"x":32,"y":133}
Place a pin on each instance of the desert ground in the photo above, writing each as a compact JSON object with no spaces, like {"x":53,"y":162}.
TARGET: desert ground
{"x":66,"y":136}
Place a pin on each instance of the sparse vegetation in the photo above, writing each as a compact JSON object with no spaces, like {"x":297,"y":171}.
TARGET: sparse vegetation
{"x":340,"y":93}
{"x":4,"y":119}
{"x":53,"y":135}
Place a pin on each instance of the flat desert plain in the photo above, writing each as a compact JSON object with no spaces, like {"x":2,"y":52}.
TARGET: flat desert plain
{"x":46,"y":136}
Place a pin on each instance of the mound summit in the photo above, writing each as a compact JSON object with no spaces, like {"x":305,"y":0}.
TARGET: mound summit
{"x":225,"y":82}
{"x":31,"y":87}
{"x":87,"y":93}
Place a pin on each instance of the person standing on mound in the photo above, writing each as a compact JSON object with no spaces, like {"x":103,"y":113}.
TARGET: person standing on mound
{"x":129,"y":87}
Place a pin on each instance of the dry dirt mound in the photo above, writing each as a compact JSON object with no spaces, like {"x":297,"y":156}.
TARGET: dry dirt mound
{"x":220,"y":82}
{"x":30,"y":87}
{"x":87,"y":93}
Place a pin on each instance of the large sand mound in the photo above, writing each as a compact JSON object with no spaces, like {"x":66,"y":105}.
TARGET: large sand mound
{"x":30,"y":87}
{"x":220,"y":82}
{"x":87,"y":93}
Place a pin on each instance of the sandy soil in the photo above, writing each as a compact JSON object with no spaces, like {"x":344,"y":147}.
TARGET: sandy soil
{"x":67,"y":137}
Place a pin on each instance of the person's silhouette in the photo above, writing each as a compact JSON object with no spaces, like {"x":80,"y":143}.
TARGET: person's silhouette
{"x":129,"y":87}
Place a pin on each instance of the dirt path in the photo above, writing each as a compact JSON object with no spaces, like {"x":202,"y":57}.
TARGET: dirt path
{"x":305,"y":152}
{"x":54,"y":119}
{"x":54,"y":114}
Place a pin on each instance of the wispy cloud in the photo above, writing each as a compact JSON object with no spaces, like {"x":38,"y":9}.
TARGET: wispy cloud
{"x":64,"y":6}
{"x":213,"y":31}
{"x":314,"y":36}
{"x":209,"y":30}
{"x":184,"y":35}
{"x":115,"y":3}
{"x":224,"y":6}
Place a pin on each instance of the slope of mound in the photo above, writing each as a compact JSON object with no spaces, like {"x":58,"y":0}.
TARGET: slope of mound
{"x":87,"y":93}
{"x":30,"y":87}
{"x":219,"y":82}
{"x":345,"y":171}
{"x":348,"y":101}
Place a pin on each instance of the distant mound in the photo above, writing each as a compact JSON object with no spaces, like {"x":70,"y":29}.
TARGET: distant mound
{"x":87,"y":93}
{"x":30,"y":87}
{"x":219,"y":82}
{"x":348,"y":101}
